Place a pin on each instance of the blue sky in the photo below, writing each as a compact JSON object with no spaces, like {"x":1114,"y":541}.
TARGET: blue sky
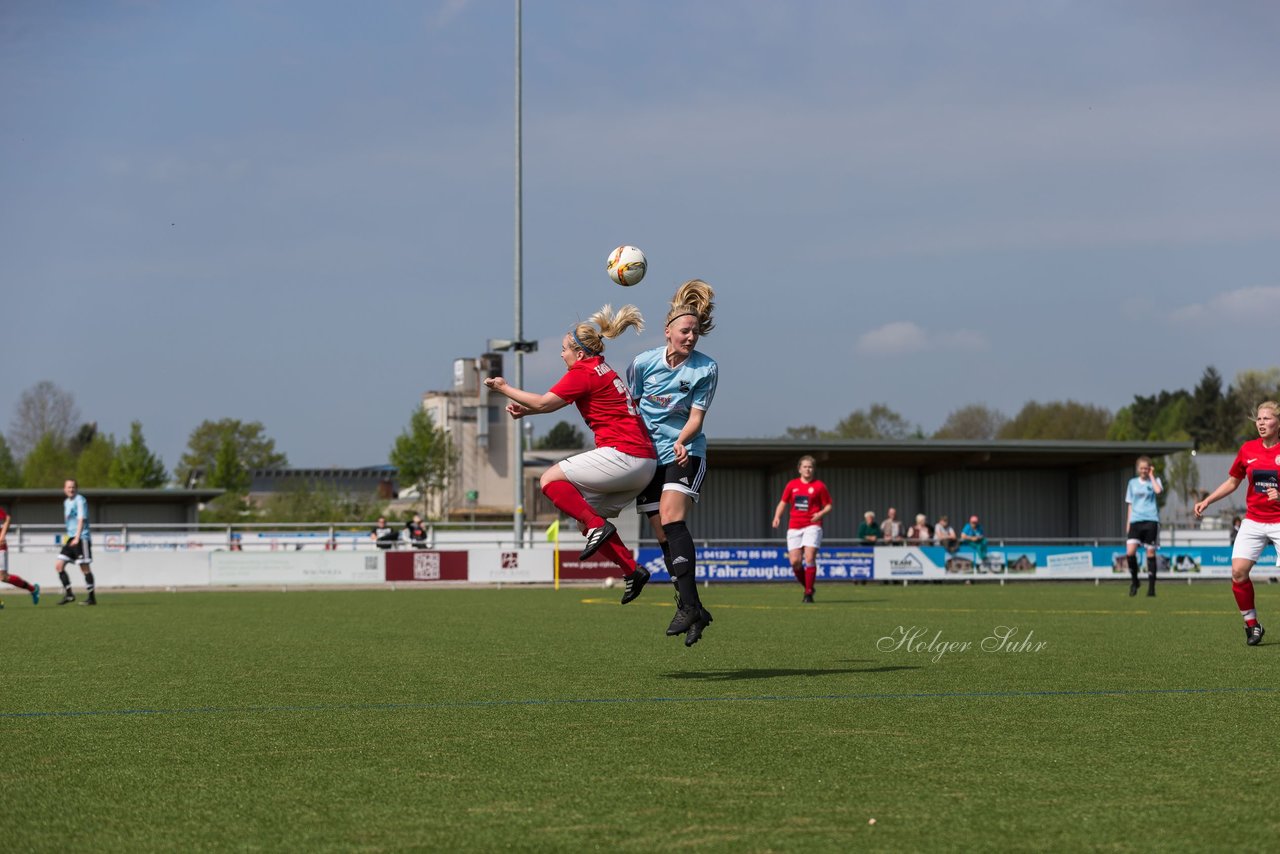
{"x":301,"y":213}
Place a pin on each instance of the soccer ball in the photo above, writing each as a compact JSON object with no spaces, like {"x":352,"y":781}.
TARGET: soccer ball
{"x":626,"y":265}
{"x":610,"y":581}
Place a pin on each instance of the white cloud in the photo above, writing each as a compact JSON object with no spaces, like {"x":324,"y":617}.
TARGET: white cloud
{"x":902,"y":336}
{"x":1239,"y":306}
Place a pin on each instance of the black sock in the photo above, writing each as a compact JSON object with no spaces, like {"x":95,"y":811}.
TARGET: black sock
{"x":66,"y":582}
{"x":1151,"y":571}
{"x":684,"y":558}
{"x":88,"y":582}
{"x":666,"y":553}
{"x":1133,"y":567}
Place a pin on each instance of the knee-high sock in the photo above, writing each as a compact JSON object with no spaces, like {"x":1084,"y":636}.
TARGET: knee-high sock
{"x":66,"y":581}
{"x":1151,"y":571}
{"x":683,"y":562}
{"x":615,"y":550}
{"x":810,"y":574}
{"x":1133,"y":567}
{"x":1243,"y":591}
{"x":19,"y":583}
{"x":798,"y":572}
{"x":566,"y":497}
{"x":88,"y":582}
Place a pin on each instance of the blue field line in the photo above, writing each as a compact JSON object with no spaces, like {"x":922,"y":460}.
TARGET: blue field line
{"x":579,"y":701}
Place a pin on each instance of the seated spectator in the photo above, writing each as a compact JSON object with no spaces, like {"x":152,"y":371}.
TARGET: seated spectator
{"x":416,"y":532}
{"x":382,"y":535}
{"x":944,"y":535}
{"x":973,"y":535}
{"x":892,"y":529}
{"x":919,"y":534}
{"x":868,"y":531}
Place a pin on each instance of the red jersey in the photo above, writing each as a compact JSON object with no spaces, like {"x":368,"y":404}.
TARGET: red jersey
{"x":1258,"y":467}
{"x":806,"y":499}
{"x":4,"y":544}
{"x":606,"y":406}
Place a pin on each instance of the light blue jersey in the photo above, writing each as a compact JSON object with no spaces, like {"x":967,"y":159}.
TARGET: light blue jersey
{"x":1141,"y":495}
{"x":667,"y":395}
{"x":75,"y":509}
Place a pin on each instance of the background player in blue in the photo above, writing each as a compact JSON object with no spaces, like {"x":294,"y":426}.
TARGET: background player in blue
{"x":1143,"y":523}
{"x":674,"y":385}
{"x":76,"y":547}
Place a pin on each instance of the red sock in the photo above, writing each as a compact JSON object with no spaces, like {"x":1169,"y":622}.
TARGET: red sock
{"x":798,"y":572}
{"x":566,"y":497}
{"x":1243,"y":591}
{"x":810,"y":574}
{"x":615,"y":551}
{"x":18,"y":582}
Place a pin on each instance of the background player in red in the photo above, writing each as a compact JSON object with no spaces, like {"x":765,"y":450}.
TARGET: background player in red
{"x":33,"y":589}
{"x":809,"y":501}
{"x":1258,"y":462}
{"x":594,"y":486}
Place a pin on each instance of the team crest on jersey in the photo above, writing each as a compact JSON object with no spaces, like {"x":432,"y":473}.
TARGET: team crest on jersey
{"x":684,"y":386}
{"x":1278,"y":459}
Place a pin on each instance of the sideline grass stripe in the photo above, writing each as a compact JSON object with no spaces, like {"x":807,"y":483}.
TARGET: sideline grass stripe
{"x":574,"y":701}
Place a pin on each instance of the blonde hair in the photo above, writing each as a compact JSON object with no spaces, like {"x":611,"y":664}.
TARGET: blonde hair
{"x":605,"y":323}
{"x":921,"y":518}
{"x":806,"y":458}
{"x":1267,"y":404}
{"x":694,"y":297}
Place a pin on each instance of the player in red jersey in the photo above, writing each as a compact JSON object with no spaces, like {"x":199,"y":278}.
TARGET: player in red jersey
{"x":1258,"y":462}
{"x":809,"y":501}
{"x":33,"y":589}
{"x":595,"y":486}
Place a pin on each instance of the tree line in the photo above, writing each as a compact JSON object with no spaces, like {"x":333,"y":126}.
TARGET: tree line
{"x":48,"y":442}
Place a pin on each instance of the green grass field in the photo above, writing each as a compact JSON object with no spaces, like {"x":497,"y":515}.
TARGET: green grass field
{"x":542,"y":720}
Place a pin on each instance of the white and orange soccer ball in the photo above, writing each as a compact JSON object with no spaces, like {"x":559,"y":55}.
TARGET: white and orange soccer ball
{"x":626,"y":265}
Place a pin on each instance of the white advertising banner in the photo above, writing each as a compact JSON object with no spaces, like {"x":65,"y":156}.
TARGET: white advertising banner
{"x":300,"y":567}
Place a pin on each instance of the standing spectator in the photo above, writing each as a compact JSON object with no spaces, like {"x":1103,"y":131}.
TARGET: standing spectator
{"x":33,"y":589}
{"x":1142,"y":523}
{"x":973,"y":535}
{"x":919,"y":533}
{"x":809,"y":501}
{"x":594,"y":486}
{"x":383,"y":535}
{"x":1258,"y":462}
{"x":944,"y":535}
{"x":76,"y":548}
{"x":416,"y":532}
{"x":674,"y":385}
{"x":891,"y":528}
{"x":869,"y":531}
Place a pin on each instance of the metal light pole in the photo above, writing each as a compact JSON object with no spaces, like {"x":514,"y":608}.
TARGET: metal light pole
{"x":517,"y":444}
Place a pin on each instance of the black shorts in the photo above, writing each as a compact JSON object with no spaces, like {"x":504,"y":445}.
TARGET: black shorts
{"x":685,"y":478}
{"x":1147,"y":533}
{"x":81,"y":552}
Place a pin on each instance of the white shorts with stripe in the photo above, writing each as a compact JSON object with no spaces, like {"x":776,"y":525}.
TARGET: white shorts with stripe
{"x":807,"y":537}
{"x":1253,"y":537}
{"x":608,"y":479}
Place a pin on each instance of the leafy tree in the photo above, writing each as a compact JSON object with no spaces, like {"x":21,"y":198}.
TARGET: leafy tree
{"x":1250,"y":388}
{"x":562,"y":436}
{"x":1184,"y":478}
{"x":1207,"y":420}
{"x":1058,"y":420}
{"x":975,"y":421}
{"x":807,"y":433}
{"x":10,"y":474}
{"x":319,"y":504}
{"x":48,"y":464}
{"x":134,"y":466}
{"x":42,"y":410}
{"x":250,"y":444}
{"x":876,"y":422}
{"x":93,"y":464}
{"x":424,"y":455}
{"x":229,"y":471}
{"x":228,"y":509}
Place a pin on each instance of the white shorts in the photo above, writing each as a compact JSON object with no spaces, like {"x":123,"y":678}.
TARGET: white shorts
{"x":1253,"y":538}
{"x":810,"y":537}
{"x":608,"y":479}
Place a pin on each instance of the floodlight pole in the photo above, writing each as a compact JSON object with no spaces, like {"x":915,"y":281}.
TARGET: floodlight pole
{"x":517,"y":443}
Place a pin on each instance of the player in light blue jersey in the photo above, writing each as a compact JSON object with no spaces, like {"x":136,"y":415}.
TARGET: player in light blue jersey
{"x":76,"y":546}
{"x":1143,"y":523}
{"x":674,"y":385}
